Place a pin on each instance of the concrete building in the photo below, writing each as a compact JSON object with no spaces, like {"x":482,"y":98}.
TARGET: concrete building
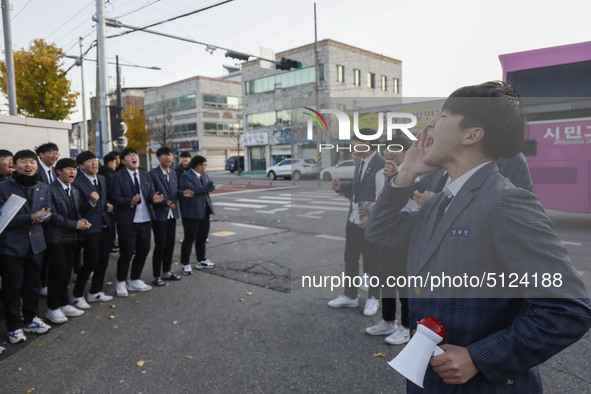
{"x":199,"y":114}
{"x":18,"y":132}
{"x":274,"y":120}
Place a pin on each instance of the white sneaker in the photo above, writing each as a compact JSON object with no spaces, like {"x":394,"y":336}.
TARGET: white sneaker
{"x":43,"y":292}
{"x":17,"y":336}
{"x":382,"y":328}
{"x":343,"y":301}
{"x":365,"y":285}
{"x":37,"y":326}
{"x":398,"y":337}
{"x":138,"y":285}
{"x":187,"y":269}
{"x":56,"y":316}
{"x":205,"y":264}
{"x":121,"y":289}
{"x":72,"y":311}
{"x":98,"y":297}
{"x":79,"y":302}
{"x":371,"y":306}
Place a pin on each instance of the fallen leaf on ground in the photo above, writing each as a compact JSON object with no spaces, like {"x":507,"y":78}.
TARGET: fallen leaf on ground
{"x":97,"y":317}
{"x":31,"y":390}
{"x":109,"y":283}
{"x":235,"y":332}
{"x":19,"y":369}
{"x":82,"y":332}
{"x":59,"y":332}
{"x":113,"y":306}
{"x":40,"y":344}
{"x":242,"y":299}
{"x":175,"y":322}
{"x":379,"y":354}
{"x":111,"y":317}
{"x":249,"y":293}
{"x":188,"y":357}
{"x":115,"y":326}
{"x":140,"y":363}
{"x":121,"y":381}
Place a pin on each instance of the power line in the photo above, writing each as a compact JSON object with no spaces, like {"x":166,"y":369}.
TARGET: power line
{"x":21,"y":10}
{"x":137,"y":9}
{"x":72,"y":17}
{"x":171,"y":19}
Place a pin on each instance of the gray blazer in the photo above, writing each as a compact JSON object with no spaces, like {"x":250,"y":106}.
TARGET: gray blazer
{"x":22,"y":235}
{"x":198,"y":206}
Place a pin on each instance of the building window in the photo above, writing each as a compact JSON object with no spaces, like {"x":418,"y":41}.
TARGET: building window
{"x":357,"y":77}
{"x":384,"y":83}
{"x":171,"y":105}
{"x":396,"y":85}
{"x":222,"y":128}
{"x":340,"y":73}
{"x":371,"y":80}
{"x":284,"y":80}
{"x":213,"y":101}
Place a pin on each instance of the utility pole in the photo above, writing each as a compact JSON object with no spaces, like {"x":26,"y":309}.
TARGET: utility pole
{"x":316,"y":88}
{"x":105,"y":134}
{"x":84,"y":135}
{"x":10,"y":83}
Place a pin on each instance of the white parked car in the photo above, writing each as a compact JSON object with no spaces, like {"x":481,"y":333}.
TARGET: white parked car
{"x":343,"y":170}
{"x":298,"y":168}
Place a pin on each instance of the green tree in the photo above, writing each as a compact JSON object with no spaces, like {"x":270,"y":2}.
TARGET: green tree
{"x":42,"y":89}
{"x":137,"y":134}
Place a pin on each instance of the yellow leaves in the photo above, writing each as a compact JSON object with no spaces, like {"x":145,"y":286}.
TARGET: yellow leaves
{"x":242,"y":300}
{"x":188,"y":357}
{"x":111,"y":317}
{"x":140,"y":363}
{"x":115,"y":326}
{"x":31,"y":390}
{"x":40,"y":344}
{"x":175,"y":322}
{"x":19,"y":369}
{"x":112,"y":306}
{"x":109,"y":283}
{"x":82,"y":332}
{"x":249,"y":293}
{"x":379,"y":354}
{"x":137,"y":134}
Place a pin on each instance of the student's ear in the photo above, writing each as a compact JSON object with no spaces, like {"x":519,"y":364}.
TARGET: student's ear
{"x":473,"y":135}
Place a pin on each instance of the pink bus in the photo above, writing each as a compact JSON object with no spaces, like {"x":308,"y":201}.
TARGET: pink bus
{"x":556,"y":85}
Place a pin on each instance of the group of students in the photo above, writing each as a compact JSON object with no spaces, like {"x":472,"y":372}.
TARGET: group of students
{"x":460,"y":203}
{"x":68,"y":220}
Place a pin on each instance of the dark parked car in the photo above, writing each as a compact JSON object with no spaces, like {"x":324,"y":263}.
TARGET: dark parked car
{"x":232,"y":163}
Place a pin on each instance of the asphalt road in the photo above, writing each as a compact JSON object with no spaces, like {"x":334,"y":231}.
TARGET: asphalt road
{"x":246,"y":325}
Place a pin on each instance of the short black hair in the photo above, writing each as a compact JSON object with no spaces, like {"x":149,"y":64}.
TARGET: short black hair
{"x":24,"y":154}
{"x":197,"y":160}
{"x":83,"y":156}
{"x":5,"y":153}
{"x":126,"y":152}
{"x":47,"y":147}
{"x":65,"y":163}
{"x":186,"y":154}
{"x":496,"y":108}
{"x":165,"y":150}
{"x":108,"y":158}
{"x":114,"y":153}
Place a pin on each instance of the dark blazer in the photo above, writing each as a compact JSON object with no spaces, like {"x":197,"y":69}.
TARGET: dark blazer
{"x":123,"y":190}
{"x":169,"y":190}
{"x":42,"y":175}
{"x":59,"y":218}
{"x":108,"y":174}
{"x":491,"y":226}
{"x":363,"y":190}
{"x":200,"y":204}
{"x":97,"y":215}
{"x":22,"y":234}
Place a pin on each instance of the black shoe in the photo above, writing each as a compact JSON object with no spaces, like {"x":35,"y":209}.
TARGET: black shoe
{"x":171,"y":276}
{"x":158,"y":282}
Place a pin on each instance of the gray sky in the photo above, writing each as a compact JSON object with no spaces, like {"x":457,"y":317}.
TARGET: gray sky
{"x":442,"y":44}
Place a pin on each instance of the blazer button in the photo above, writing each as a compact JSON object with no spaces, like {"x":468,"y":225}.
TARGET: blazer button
{"x":509,"y":381}
{"x":417,"y":290}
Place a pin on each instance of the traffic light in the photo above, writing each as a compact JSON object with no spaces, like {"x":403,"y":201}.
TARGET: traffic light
{"x":116,"y":114}
{"x":288,"y":64}
{"x":238,"y":55}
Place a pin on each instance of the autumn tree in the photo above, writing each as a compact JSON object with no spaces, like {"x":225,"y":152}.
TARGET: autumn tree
{"x":137,"y":134}
{"x":160,"y":125}
{"x":42,"y":89}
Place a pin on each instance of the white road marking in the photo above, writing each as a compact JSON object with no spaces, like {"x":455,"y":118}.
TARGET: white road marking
{"x":312,"y":215}
{"x":250,"y":226}
{"x":262,"y":201}
{"x":332,"y":237}
{"x":273,"y":211}
{"x":231,"y":204}
{"x":328,"y":208}
{"x":231,"y":209}
{"x":572,"y":243}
